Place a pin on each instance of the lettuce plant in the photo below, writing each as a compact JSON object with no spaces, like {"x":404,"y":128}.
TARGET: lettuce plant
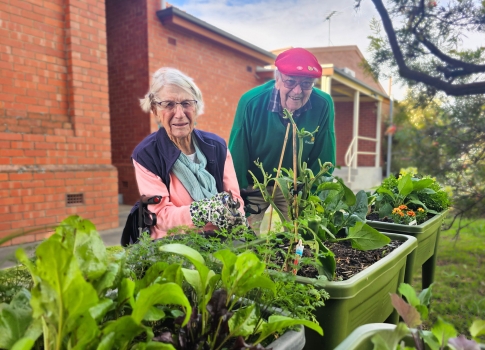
{"x":83,"y":299}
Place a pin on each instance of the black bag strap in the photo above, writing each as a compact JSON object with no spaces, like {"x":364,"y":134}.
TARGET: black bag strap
{"x":139,"y":219}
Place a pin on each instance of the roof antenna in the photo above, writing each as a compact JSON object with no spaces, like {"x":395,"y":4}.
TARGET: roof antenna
{"x":329,"y":16}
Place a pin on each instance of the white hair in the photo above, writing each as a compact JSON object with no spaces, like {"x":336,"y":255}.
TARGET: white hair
{"x":170,"y":76}
{"x":277,"y":74}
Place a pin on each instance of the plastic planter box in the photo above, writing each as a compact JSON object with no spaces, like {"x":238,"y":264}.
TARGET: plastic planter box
{"x":360,"y":339}
{"x":361,"y":299}
{"x":291,"y":340}
{"x":427,"y":234}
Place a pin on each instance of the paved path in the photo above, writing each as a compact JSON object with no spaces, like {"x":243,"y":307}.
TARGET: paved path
{"x":110,"y":237}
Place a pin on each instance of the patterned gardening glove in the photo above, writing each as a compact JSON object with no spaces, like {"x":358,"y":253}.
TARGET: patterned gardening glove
{"x":220,"y":210}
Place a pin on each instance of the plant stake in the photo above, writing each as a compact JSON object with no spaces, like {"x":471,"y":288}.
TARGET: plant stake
{"x":277,"y":174}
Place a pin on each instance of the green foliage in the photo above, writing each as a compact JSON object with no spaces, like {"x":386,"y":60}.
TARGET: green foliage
{"x":143,"y":260}
{"x":423,"y":43}
{"x":422,"y":195}
{"x":299,"y":300}
{"x":15,"y":318}
{"x":81,"y":298}
{"x":442,"y":336}
{"x":445,"y":138}
{"x":218,"y":295}
{"x":12,"y":280}
{"x":321,"y":208}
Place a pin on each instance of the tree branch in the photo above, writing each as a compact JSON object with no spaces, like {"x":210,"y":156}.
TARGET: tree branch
{"x":453,"y":62}
{"x":408,"y":73}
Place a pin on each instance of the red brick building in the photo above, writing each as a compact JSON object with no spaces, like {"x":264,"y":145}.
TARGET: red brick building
{"x":143,"y":38}
{"x":71,"y":74}
{"x":65,"y":143}
{"x":55,"y":147}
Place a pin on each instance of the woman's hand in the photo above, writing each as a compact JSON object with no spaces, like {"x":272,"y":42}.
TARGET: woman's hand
{"x":218,"y":211}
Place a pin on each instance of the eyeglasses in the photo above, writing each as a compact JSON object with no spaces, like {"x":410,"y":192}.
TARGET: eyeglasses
{"x":305,"y":84}
{"x":170,"y":105}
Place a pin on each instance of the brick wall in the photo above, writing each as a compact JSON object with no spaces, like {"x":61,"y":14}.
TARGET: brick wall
{"x":54,"y":130}
{"x":221,"y":73}
{"x":346,"y":57}
{"x":126,"y":27}
{"x":367,"y":127}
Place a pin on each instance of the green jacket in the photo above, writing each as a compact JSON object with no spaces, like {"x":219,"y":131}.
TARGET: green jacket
{"x":259,"y":133}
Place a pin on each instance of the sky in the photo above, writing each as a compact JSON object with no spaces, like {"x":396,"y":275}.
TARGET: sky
{"x":275,"y":24}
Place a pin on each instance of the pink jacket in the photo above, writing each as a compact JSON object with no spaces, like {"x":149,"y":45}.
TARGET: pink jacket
{"x":173,"y":210}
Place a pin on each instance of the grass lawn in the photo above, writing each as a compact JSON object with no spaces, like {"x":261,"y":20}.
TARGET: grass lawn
{"x":459,"y":287}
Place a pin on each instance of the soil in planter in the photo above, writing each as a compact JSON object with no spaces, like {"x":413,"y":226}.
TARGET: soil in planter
{"x":375,"y":217}
{"x":349,"y":261}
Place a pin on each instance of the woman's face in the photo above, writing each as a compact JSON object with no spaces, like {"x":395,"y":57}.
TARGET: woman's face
{"x":177,"y":121}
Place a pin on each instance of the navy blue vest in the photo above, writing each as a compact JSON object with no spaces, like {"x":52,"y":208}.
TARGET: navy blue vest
{"x":158,"y":154}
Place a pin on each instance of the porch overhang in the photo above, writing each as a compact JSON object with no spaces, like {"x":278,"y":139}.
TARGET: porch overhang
{"x":343,"y":86}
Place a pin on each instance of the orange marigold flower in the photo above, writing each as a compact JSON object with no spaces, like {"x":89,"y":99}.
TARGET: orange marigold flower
{"x":396,"y":211}
{"x":421,"y":210}
{"x":411,"y":213}
{"x":402,"y":207}
{"x":401,"y":213}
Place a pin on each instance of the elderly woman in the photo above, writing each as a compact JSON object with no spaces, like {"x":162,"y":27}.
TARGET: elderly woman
{"x":191,"y":169}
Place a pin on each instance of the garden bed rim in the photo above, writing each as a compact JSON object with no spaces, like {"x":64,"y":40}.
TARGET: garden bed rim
{"x":290,"y":340}
{"x":409,"y":245}
{"x":377,"y":223}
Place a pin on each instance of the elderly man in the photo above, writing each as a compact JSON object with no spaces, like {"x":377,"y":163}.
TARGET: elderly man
{"x":259,"y":128}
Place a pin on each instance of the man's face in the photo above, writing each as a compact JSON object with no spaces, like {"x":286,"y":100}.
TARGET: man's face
{"x":295,"y":98}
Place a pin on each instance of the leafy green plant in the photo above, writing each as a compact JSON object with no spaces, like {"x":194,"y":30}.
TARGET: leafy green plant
{"x":217,"y":299}
{"x":321,"y":208}
{"x":411,"y":191}
{"x":72,"y":276}
{"x":12,"y":280}
{"x":297,"y":300}
{"x":442,"y":334}
{"x":82,"y":299}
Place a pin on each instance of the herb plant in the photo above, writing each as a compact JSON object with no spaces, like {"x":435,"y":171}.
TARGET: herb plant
{"x":217,"y":299}
{"x":320,"y":207}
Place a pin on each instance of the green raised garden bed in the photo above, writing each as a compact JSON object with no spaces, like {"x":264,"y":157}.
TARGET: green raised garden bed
{"x":361,"y":299}
{"x":427,"y":234}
